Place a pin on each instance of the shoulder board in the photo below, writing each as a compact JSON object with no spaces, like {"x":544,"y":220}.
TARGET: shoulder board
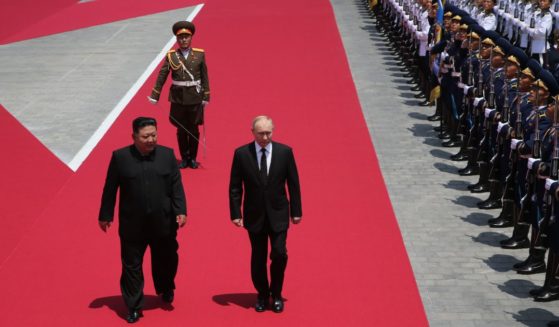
{"x":197,"y":49}
{"x":171,"y":51}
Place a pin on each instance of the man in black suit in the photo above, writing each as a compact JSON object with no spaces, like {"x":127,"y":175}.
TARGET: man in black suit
{"x":261,"y":169}
{"x":152,"y":205}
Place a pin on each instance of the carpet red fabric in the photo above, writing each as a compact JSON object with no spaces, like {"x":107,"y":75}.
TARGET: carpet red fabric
{"x":347,"y":265}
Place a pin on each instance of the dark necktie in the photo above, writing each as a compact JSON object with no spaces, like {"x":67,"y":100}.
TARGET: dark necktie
{"x":263,"y":166}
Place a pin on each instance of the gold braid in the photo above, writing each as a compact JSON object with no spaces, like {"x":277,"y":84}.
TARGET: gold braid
{"x":171,"y":63}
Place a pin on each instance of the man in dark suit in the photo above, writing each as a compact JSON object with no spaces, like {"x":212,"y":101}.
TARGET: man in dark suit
{"x":189,"y":93}
{"x":259,"y":174}
{"x":152,"y":205}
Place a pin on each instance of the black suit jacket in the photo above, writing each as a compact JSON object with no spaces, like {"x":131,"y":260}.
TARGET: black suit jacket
{"x":151,"y":193}
{"x":258,"y":200}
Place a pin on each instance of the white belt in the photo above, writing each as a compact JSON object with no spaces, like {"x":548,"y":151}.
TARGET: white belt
{"x":187,"y":83}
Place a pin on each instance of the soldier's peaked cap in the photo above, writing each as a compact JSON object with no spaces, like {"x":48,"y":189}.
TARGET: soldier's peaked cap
{"x":183,"y":27}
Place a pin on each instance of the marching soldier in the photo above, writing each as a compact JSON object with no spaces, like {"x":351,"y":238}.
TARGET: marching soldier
{"x":189,"y":93}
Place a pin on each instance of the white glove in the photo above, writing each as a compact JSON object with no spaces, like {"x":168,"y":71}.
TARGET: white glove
{"x":549,"y":182}
{"x":514,"y":143}
{"x":204,"y":103}
{"x":500,"y":126}
{"x":466,"y":89}
{"x":477,"y":100}
{"x":488,"y":112}
{"x":531,"y":162}
{"x":461,"y":85}
{"x":152,"y":100}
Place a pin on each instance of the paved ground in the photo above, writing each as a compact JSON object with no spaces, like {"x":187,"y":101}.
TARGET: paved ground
{"x":463,"y":275}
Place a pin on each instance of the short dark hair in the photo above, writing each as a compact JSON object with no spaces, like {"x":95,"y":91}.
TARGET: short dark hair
{"x":142,"y":122}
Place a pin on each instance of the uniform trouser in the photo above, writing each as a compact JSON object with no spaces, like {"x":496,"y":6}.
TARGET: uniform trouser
{"x":164,"y":263}
{"x":186,"y":119}
{"x":258,"y":261}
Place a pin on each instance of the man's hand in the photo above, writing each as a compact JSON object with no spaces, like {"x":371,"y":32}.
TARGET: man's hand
{"x":181,"y":220}
{"x":238,"y":222}
{"x":104,"y":225}
{"x":295,"y":220}
{"x":152,"y":100}
{"x":205,"y":103}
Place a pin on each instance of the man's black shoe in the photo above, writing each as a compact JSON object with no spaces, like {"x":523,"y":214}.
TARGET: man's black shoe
{"x":512,"y":244}
{"x":261,"y":305}
{"x":452,"y":143}
{"x":434,"y":117}
{"x":547,"y":296}
{"x":532,"y":268}
{"x":500,"y":223}
{"x":168,"y":296}
{"x":425,"y":103}
{"x":459,"y":157}
{"x":193,"y":164}
{"x":468,"y":171}
{"x":133,"y":316}
{"x":493,"y":204}
{"x":538,"y":291}
{"x":277,"y":305}
{"x":554,"y":323}
{"x":416,"y":88}
{"x":439,"y":128}
{"x":479,"y":188}
{"x":183,"y":164}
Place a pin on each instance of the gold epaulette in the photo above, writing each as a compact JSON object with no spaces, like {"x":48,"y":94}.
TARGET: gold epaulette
{"x":197,"y":49}
{"x":170,"y":51}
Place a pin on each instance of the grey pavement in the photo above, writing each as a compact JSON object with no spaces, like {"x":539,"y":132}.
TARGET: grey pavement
{"x":62,"y":87}
{"x":464,"y":277}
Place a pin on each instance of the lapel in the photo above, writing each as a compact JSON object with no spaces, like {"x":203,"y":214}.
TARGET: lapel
{"x":273,"y":163}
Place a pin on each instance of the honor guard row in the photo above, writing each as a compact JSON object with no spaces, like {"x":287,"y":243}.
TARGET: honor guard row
{"x":491,"y":71}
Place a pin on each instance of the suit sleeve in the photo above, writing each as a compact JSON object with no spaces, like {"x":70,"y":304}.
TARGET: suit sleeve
{"x":177,"y":197}
{"x":108,"y":199}
{"x":161,"y":78}
{"x":235,"y":188}
{"x":293,"y":187}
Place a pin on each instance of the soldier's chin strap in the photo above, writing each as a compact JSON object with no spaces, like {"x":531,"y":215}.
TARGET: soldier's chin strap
{"x":203,"y":142}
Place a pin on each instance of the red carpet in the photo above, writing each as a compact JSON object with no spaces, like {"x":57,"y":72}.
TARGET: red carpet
{"x":347,"y":264}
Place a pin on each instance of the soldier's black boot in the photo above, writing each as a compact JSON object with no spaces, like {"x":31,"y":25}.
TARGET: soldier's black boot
{"x":505,"y":218}
{"x":548,"y":275}
{"x":551,"y":292}
{"x":495,"y":195}
{"x":472,"y":167}
{"x":535,"y":262}
{"x":483,"y":183}
{"x":519,"y":238}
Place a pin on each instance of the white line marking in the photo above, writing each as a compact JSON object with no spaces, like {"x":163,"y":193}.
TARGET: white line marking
{"x":92,"y":142}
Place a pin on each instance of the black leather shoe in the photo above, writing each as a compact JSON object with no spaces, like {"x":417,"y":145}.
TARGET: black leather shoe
{"x":452,"y":143}
{"x":469,"y":171}
{"x":547,"y":296}
{"x":459,"y":157}
{"x":193,"y":164}
{"x":261,"y":305}
{"x":532,"y":268}
{"x":538,"y":291}
{"x":554,"y":323}
{"x":133,"y":316}
{"x":277,"y":305}
{"x":183,"y":164}
{"x":168,"y":296}
{"x":419,"y":96}
{"x":444,"y":136}
{"x":434,"y":117}
{"x":425,"y":103}
{"x":480,"y":188}
{"x":500,"y":223}
{"x":513,"y":244}
{"x":416,"y":88}
{"x":439,"y":128}
{"x":488,"y":205}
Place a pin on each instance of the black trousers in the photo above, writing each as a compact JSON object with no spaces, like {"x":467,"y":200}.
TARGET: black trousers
{"x":186,"y":119}
{"x":164,"y":264}
{"x":258,"y":261}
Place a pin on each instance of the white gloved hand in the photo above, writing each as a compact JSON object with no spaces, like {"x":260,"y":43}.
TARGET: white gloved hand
{"x":500,"y":126}
{"x":514,"y":144}
{"x":477,"y":100}
{"x":549,"y":182}
{"x":461,"y":85}
{"x":152,"y":100}
{"x":488,"y":112}
{"x":531,"y":162}
{"x":204,"y":103}
{"x":466,"y":89}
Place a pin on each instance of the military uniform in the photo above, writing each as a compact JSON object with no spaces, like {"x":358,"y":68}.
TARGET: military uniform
{"x":189,"y":91}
